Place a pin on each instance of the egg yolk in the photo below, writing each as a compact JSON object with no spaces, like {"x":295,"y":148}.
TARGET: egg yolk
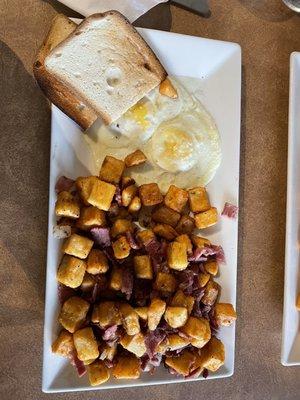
{"x":139,"y":113}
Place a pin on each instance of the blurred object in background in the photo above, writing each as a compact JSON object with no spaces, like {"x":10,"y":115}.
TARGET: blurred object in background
{"x":198,"y":6}
{"x":293,"y":4}
{"x":268,"y":10}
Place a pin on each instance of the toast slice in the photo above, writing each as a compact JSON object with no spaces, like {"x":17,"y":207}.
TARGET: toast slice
{"x":56,"y":91}
{"x":106,"y":64}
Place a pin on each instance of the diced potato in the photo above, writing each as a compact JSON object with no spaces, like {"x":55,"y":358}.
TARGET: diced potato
{"x":71,"y":271}
{"x":197,"y":368}
{"x":298,"y":302}
{"x":111,"y":170}
{"x":63,"y":345}
{"x":128,"y":195}
{"x":186,"y":225}
{"x":108,"y":351}
{"x":67,"y":206}
{"x":135,"y":205}
{"x":98,"y":373}
{"x":91,"y":217}
{"x":121,"y":248}
{"x":135,"y":158}
{"x":213,"y":355}
{"x":78,"y":246}
{"x":199,"y":241}
{"x":176,"y":342}
{"x":88,"y":362}
{"x":165,"y":282}
{"x":84,"y":186}
{"x":181,"y":300}
{"x":143,"y":267}
{"x":127,"y":367}
{"x":186,"y":241}
{"x":86,"y":344}
{"x":176,"y":316}
{"x":145,"y":236}
{"x":198,"y":199}
{"x":116,"y":279}
{"x":127,"y":181}
{"x":165,"y":215}
{"x":167,"y":89}
{"x":88,"y":282}
{"x":203,"y":279}
{"x":177,"y":256}
{"x":142,"y":312}
{"x":207,"y":218}
{"x":156,"y":310}
{"x":135,"y":344}
{"x":211,"y":293}
{"x":225,"y":314}
{"x":183,"y":363}
{"x":130,"y":319}
{"x":176,"y":198}
{"x":101,"y":195}
{"x":165,"y":231}
{"x":106,"y":313}
{"x":97,"y":262}
{"x":120,"y":227}
{"x":198,"y":330}
{"x":73,"y":313}
{"x":162,"y":347}
{"x":150,"y":194}
{"x":211,"y":267}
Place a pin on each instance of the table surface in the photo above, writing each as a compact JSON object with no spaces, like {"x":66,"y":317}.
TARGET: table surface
{"x":267,"y":32}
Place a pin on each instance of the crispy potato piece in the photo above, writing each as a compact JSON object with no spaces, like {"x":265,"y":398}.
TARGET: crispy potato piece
{"x":128,"y":195}
{"x":167,"y":89}
{"x":91,"y":217}
{"x":177,"y":256}
{"x":150,"y":194}
{"x":111,"y":170}
{"x":298,"y":302}
{"x":135,"y":344}
{"x":86,"y":344}
{"x":135,"y":205}
{"x":211,"y":267}
{"x":127,"y":367}
{"x":98,"y":373}
{"x":186,"y":241}
{"x":127,"y":181}
{"x":63,"y":345}
{"x":73,"y":313}
{"x":165,"y":231}
{"x":84,"y":186}
{"x":142,"y":312}
{"x":199,"y":241}
{"x":106,"y":313}
{"x":176,"y":316}
{"x":88,"y":282}
{"x":211,"y":293}
{"x":155,"y":312}
{"x":176,"y":342}
{"x":116,"y":279}
{"x":186,"y":225}
{"x":176,"y":198}
{"x":135,"y":158}
{"x":164,"y":215}
{"x":165,"y":282}
{"x":207,"y":218}
{"x":130,"y":319}
{"x":121,"y":248}
{"x":198,"y":330}
{"x":97,"y":262}
{"x":71,"y":271}
{"x":198,"y":199}
{"x":67,"y":206}
{"x":183,"y":363}
{"x":143,"y":267}
{"x":120,"y":227}
{"x":181,"y":300}
{"x":203,"y":278}
{"x":78,"y":246}
{"x":108,"y":352}
{"x":213,"y":355}
{"x":145,"y":236}
{"x":225,"y":314}
{"x":101,"y":195}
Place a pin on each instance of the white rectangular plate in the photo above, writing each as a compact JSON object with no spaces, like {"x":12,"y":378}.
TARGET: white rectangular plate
{"x":218,"y":66}
{"x":290,"y":351}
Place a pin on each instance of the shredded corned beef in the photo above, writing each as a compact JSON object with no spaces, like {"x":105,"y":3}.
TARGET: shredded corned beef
{"x":194,"y":374}
{"x":113,"y":209}
{"x":109,"y":363}
{"x":152,"y":340}
{"x":219,"y":253}
{"x":64,"y":292}
{"x":127,"y":282}
{"x":118,"y":196}
{"x":230,"y":210}
{"x":149,"y":364}
{"x":110,"y":333}
{"x":132,"y":241}
{"x":101,"y":236}
{"x":78,"y":364}
{"x":64,"y":184}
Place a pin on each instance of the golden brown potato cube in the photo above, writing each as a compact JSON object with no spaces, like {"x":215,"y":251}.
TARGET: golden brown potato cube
{"x":101,"y":195}
{"x":97,"y":262}
{"x":183,"y":363}
{"x":203,"y":279}
{"x":71,"y":271}
{"x":186,"y":225}
{"x":120,"y":227}
{"x":213,"y":355}
{"x":198,"y":330}
{"x":176,"y":316}
{"x":211,"y":267}
{"x":135,"y":344}
{"x":91,"y":217}
{"x":84,"y":186}
{"x":198,"y":199}
{"x":142,"y":312}
{"x":73,"y":313}
{"x":108,"y":352}
{"x":167,"y":89}
{"x":207,"y":218}
{"x":176,"y":342}
{"x":182,"y":300}
{"x":63,"y":345}
{"x":98,"y":373}
{"x":121,"y":248}
{"x":176,"y":198}
{"x":211,"y":293}
{"x":199,"y":241}
{"x":111,"y":170}
{"x":135,"y":205}
{"x":86,"y":344}
{"x":186,"y":241}
{"x":150,"y":194}
{"x":116,"y":279}
{"x":135,"y":158}
{"x":127,"y":181}
{"x":165,"y":231}
{"x":155,"y":312}
{"x":165,"y":282}
{"x":142,"y":267}
{"x":225,"y":314}
{"x":177,"y":256}
{"x":164,"y":215}
{"x":162,"y":347}
{"x":128,"y":195}
{"x":78,"y":246}
{"x":145,"y":236}
{"x":298,"y":302}
{"x":106,"y":313}
{"x":127,"y":367}
{"x":67,"y":206}
{"x":87,"y":283}
{"x":130,"y":319}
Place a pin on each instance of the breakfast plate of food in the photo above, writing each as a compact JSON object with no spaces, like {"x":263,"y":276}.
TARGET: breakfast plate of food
{"x":144,"y":188}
